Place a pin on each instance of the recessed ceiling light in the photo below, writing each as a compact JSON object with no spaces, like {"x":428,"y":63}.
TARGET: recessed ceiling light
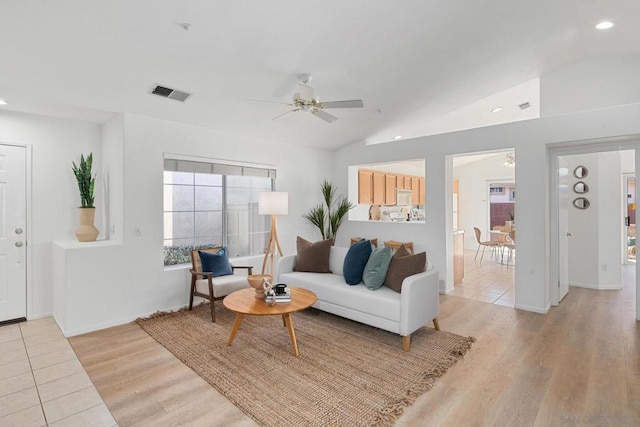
{"x":3,"y":102}
{"x":496,"y":110}
{"x":397,"y":137}
{"x":604,"y":25}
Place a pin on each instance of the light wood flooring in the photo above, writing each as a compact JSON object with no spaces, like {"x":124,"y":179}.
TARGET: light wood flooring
{"x":577,"y":365}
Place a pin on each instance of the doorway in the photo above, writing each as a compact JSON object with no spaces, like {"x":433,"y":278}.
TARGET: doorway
{"x":629,"y":227}
{"x":477,"y":178}
{"x":13,"y":233}
{"x":587,"y":189}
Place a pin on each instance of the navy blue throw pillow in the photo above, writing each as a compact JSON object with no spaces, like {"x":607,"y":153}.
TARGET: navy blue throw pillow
{"x":355,"y":261}
{"x":217,"y":263}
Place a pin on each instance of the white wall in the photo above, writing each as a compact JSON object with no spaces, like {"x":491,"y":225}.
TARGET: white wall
{"x":529,"y":139}
{"x":55,"y":144}
{"x":583,"y":223}
{"x":595,"y":253}
{"x":593,"y":83}
{"x":132,"y":280}
{"x":113,"y":177}
{"x":473,"y":203}
{"x":609,"y":221}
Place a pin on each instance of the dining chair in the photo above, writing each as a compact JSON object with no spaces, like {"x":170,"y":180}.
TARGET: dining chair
{"x":510,"y":246}
{"x":494,"y":245}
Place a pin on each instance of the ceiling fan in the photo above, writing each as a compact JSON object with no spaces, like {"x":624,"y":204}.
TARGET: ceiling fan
{"x":304,"y":100}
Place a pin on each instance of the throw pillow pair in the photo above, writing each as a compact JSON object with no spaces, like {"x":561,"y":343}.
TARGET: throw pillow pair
{"x":314,"y":258}
{"x":378,"y":267}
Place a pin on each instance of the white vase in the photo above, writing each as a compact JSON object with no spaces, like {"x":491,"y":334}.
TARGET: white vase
{"x":86,"y":231}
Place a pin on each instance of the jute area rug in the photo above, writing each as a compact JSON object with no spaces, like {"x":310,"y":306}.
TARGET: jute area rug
{"x":347,"y":374}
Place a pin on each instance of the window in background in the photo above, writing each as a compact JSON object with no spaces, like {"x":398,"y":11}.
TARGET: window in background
{"x":212,"y":204}
{"x":502,"y":199}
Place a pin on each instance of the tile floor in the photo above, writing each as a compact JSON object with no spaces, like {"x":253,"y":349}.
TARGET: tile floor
{"x":486,"y":281}
{"x":42,"y":383}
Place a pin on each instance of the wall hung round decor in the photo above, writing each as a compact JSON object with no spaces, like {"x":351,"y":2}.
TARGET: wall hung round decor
{"x":581,"y":203}
{"x":580,"y":187}
{"x":580,"y":172}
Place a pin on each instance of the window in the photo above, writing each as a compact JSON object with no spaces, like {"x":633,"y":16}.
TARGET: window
{"x":212,"y":204}
{"x":496,"y":190}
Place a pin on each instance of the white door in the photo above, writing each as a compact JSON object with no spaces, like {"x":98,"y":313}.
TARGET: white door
{"x":13,"y":271}
{"x":563,"y":228}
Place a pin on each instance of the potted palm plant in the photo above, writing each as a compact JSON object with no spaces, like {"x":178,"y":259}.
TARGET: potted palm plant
{"x":86,"y":231}
{"x":329,"y":216}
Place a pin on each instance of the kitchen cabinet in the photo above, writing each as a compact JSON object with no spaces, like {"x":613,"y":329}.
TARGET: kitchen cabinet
{"x":407,"y":182}
{"x":423,"y":191}
{"x":390,"y":189}
{"x":415,"y":190}
{"x":365,"y":187}
{"x":379,"y":190}
{"x":458,"y":257}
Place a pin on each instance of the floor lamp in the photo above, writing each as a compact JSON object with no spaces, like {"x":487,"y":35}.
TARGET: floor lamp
{"x":272,"y":203}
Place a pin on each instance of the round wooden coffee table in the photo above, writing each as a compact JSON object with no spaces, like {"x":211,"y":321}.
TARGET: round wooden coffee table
{"x":244,"y":302}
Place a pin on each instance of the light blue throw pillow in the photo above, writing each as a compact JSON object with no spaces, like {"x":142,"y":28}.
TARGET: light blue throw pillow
{"x":355,"y":261}
{"x":376,"y":269}
{"x":216,"y":263}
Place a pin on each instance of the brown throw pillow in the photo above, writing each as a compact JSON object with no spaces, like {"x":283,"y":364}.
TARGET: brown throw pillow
{"x":312,"y":257}
{"x":402,"y":265}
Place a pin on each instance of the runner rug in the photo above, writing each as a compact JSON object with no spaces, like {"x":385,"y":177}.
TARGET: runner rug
{"x":347,"y":373}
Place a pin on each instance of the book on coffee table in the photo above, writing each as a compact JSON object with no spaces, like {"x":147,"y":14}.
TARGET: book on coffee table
{"x":285,"y":297}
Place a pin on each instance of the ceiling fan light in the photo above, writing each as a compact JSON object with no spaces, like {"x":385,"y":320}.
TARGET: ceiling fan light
{"x":305,"y":92}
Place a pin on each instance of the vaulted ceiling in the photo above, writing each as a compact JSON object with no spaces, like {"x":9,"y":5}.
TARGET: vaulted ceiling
{"x":411,"y":62}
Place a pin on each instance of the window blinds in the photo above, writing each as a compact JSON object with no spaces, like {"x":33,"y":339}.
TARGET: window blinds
{"x":176,"y":165}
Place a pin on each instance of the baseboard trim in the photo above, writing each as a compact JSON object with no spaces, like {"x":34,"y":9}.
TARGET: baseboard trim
{"x":539,"y":310}
{"x":615,"y":287}
{"x":110,"y":324}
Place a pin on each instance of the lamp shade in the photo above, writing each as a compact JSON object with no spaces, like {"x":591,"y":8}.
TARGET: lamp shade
{"x":273,"y":203}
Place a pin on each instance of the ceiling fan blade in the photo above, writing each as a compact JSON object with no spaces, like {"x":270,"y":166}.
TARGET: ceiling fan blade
{"x":284,"y":114}
{"x":354,"y":103}
{"x":324,"y":116}
{"x":262,"y":101}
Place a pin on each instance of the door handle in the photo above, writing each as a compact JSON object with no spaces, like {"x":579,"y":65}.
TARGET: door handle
{"x":569,"y":234}
{"x":18,"y":230}
{"x":18,"y":244}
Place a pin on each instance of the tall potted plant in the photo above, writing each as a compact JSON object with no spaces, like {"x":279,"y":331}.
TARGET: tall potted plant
{"x":329,"y":216}
{"x":86,"y":231}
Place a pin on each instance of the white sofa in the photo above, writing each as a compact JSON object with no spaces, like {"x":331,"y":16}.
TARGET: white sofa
{"x":402,"y":313}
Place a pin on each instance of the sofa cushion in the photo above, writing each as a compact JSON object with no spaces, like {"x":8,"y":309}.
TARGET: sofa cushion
{"x":216,"y":263}
{"x":312,"y":257}
{"x":331,"y":288}
{"x":355,"y":261}
{"x":223,"y":285}
{"x":403,"y":265}
{"x":376,"y":269}
{"x":336,"y":259}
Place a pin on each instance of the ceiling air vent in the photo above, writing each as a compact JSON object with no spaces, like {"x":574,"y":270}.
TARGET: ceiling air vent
{"x":166,"y":92}
{"x":524,"y":105}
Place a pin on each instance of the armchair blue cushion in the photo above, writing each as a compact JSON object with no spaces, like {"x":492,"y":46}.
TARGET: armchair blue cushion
{"x":216,"y":263}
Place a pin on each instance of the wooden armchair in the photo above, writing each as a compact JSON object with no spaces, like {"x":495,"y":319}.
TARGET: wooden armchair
{"x":205,"y":285}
